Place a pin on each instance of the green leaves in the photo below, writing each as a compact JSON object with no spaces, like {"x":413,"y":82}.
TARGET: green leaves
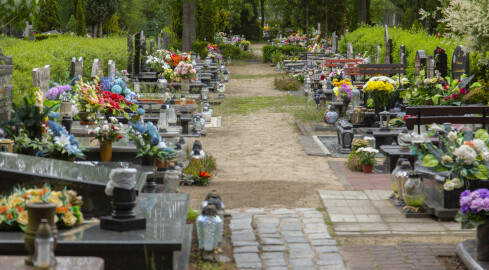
{"x":430,"y":161}
{"x":482,"y":134}
{"x":481,"y":172}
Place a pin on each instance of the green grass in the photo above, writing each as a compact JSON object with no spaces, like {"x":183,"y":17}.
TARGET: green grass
{"x":297,"y":106}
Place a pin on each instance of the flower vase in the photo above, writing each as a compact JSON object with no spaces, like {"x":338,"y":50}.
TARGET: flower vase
{"x":186,"y":85}
{"x":161,"y":165}
{"x":85,"y":118}
{"x":37,"y":212}
{"x":482,"y":247}
{"x":106,"y":151}
{"x":346,"y":102}
{"x":367,"y":168}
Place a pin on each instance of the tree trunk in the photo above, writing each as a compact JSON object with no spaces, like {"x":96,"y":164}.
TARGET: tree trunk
{"x":307,"y":23}
{"x":101,"y":29}
{"x":262,"y":10}
{"x":94,"y":31}
{"x":326,"y":17}
{"x":362,"y":11}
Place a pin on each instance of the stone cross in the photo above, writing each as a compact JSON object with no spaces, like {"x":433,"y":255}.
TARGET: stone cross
{"x":40,"y":78}
{"x":76,"y":69}
{"x":419,"y":61}
{"x":97,"y":69}
{"x":349,"y":51}
{"x":388,"y":52}
{"x":6,"y":70}
{"x":377,"y":55}
{"x":402,"y":55}
{"x":441,"y":62}
{"x":137,"y":53}
{"x":430,"y":67}
{"x":111,"y":69}
{"x":460,"y":62}
{"x":130,"y":54}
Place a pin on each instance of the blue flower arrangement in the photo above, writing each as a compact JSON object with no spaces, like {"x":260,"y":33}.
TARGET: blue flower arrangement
{"x":147,"y":139}
{"x":60,"y":144}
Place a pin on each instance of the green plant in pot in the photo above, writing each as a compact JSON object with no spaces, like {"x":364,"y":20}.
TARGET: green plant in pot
{"x":367,"y":158}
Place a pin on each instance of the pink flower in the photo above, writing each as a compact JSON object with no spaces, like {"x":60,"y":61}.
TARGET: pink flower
{"x":445,"y":87}
{"x":455,"y":96}
{"x":462,"y":91}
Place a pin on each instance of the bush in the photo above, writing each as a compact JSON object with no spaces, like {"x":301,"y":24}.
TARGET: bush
{"x":192,"y":215}
{"x":40,"y":37}
{"x":286,"y":83}
{"x":81,"y":27}
{"x":353,"y":161}
{"x":112,"y":25}
{"x":200,"y":47}
{"x":58,"y":53}
{"x":71,"y":25}
{"x":48,"y":17}
{"x":366,"y":39}
{"x":289,"y":50}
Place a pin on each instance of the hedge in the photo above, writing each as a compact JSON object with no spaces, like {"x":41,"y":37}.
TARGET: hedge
{"x":40,"y":37}
{"x":57,"y":53}
{"x":366,"y":39}
{"x":200,"y":47}
{"x":268,"y":50}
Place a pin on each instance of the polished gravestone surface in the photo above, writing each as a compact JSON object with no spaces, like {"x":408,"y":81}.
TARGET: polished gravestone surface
{"x":466,"y":251}
{"x":88,"y":180}
{"x":382,"y":136}
{"x":161,"y":243}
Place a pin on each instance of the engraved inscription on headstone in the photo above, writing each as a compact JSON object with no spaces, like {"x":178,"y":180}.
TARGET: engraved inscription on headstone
{"x":441,"y":61}
{"x":76,"y":69}
{"x":402,"y":55}
{"x":419,"y":61}
{"x":111,"y":69}
{"x":388,"y":52}
{"x":349,"y":51}
{"x":430,"y":67}
{"x":6,"y":69}
{"x":40,"y":78}
{"x":460,"y":62}
{"x":97,"y":69}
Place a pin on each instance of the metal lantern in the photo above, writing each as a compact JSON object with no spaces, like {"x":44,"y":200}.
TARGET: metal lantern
{"x":225,"y":75}
{"x":385,"y":117}
{"x":413,"y":190}
{"x":137,"y":86}
{"x":369,"y":137}
{"x":404,"y":139}
{"x":209,"y":228}
{"x":163,"y":119}
{"x":322,"y":99}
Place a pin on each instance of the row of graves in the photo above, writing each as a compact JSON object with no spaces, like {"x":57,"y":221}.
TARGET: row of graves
{"x":93,"y":167}
{"x":430,"y":167}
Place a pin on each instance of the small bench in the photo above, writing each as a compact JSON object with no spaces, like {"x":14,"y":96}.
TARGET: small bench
{"x":426,"y":115}
{"x":333,"y":62}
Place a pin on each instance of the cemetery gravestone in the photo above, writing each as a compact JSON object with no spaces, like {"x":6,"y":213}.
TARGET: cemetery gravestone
{"x":402,"y":59}
{"x":386,"y":34}
{"x":419,"y":61}
{"x":460,"y":63}
{"x":165,"y":40}
{"x":377,"y":55}
{"x":388,"y":52}
{"x":334,"y":42}
{"x":111,"y":69}
{"x":349,"y":51}
{"x":151,"y":47}
{"x":6,"y":69}
{"x":97,"y":69}
{"x":441,"y":61}
{"x":76,"y":69}
{"x":137,"y":53}
{"x":40,"y":77}
{"x":130,"y":54}
{"x":144,"y":52}
{"x":150,"y":28}
{"x":430,"y":67}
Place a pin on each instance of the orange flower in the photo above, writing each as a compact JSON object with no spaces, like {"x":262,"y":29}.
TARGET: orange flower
{"x":62,"y":210}
{"x":204,"y":174}
{"x":9,"y":216}
{"x":19,"y":209}
{"x":25,"y":196}
{"x":469,"y":143}
{"x":3,"y":209}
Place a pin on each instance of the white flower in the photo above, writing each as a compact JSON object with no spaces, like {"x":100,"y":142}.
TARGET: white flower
{"x":367,"y":150}
{"x":479,"y":146}
{"x":452,"y":136}
{"x":113,"y":119}
{"x":96,"y":130}
{"x":448,"y":186}
{"x":436,"y":127}
{"x":62,"y":140}
{"x":465,"y":154}
{"x":105,"y":127}
{"x":446,"y":159}
{"x":485,"y":156}
{"x":457,"y":183}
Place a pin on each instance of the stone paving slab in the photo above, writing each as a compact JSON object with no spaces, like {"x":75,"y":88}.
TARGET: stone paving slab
{"x":284,"y":239}
{"x":359,"y":180}
{"x":369,"y":212}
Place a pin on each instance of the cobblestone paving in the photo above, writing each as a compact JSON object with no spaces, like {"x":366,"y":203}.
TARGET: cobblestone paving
{"x":283,"y":239}
{"x":405,"y":256}
{"x":370,"y":213}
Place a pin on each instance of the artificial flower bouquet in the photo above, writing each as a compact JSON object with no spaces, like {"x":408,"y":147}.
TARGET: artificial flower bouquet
{"x":214,"y":53}
{"x":107,"y":131}
{"x":13,"y":213}
{"x":379,"y":89}
{"x":185,"y":71}
{"x":337,"y":75}
{"x":344,"y":91}
{"x":59,"y":144}
{"x":474,"y":208}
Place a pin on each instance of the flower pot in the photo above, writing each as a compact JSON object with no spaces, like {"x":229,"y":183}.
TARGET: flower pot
{"x":186,"y":85}
{"x":106,"y":151}
{"x":36,"y":212}
{"x":482,"y":247}
{"x":161,"y":165}
{"x":367,"y":168}
{"x":85,"y":118}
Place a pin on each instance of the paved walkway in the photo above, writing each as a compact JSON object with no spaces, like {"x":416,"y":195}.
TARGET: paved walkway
{"x":359,"y":180}
{"x":283,"y":239}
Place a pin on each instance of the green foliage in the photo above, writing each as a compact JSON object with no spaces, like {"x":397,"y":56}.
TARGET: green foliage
{"x":366,"y":39}
{"x":58,"y":54}
{"x":98,"y":11}
{"x":353,"y":160}
{"x":15,"y":13}
{"x":112,"y":25}
{"x":81,"y":27}
{"x":192,"y":214}
{"x":286,"y":83}
{"x":67,"y":8}
{"x":48,"y":17}
{"x":40,"y":37}
{"x":71,"y":25}
{"x":208,"y":165}
{"x":269,"y":50}
{"x":200,"y":47}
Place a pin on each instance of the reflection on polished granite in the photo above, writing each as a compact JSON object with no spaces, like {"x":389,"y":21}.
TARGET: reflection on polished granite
{"x":62,"y":263}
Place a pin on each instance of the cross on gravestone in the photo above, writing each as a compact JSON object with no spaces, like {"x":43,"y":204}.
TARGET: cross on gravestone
{"x":130,"y":54}
{"x":76,"y":69}
{"x":388,"y":52}
{"x":430,"y":67}
{"x":111,"y":69}
{"x":377,"y":55}
{"x":97,"y":69}
{"x":150,"y":28}
{"x":165,"y":41}
{"x":151,"y":47}
{"x":419,"y":61}
{"x":349,"y":51}
{"x":460,"y":62}
{"x":441,"y":61}
{"x":6,"y":70}
{"x":137,"y":53}
{"x":402,"y":55}
{"x":40,"y":78}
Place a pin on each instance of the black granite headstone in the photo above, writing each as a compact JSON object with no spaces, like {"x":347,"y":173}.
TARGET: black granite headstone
{"x":419,"y":61}
{"x":6,"y":69}
{"x":460,"y":62}
{"x":137,"y":53}
{"x":388,"y":52}
{"x":441,"y":62}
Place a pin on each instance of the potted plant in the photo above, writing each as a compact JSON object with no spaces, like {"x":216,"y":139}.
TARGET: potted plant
{"x":185,"y":72}
{"x":379,"y":89}
{"x":106,"y":133}
{"x":474,"y":213}
{"x":367,"y":158}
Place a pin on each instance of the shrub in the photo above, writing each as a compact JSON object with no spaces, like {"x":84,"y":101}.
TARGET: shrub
{"x":112,"y":25}
{"x":353,"y":161}
{"x":269,"y":50}
{"x":192,"y":215}
{"x":286,"y":83}
{"x":81,"y":27}
{"x":71,"y":25}
{"x":200,"y":47}
{"x":40,"y":37}
{"x":48,"y":17}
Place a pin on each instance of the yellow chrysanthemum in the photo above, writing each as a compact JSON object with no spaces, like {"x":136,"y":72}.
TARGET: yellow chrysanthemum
{"x":69,"y":219}
{"x":14,"y":201}
{"x":23,"y":218}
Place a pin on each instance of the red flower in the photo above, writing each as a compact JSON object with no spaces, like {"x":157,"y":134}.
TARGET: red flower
{"x":445,"y":87}
{"x":455,"y":96}
{"x":462,"y":91}
{"x":204,"y":174}
{"x":439,"y":50}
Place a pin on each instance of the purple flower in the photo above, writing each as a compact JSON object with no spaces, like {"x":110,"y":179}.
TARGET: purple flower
{"x":475,"y":194}
{"x":464,"y":209}
{"x":477,"y":205}
{"x":465,"y":193}
{"x":484,"y":193}
{"x":485,"y":204}
{"x":465,"y":200}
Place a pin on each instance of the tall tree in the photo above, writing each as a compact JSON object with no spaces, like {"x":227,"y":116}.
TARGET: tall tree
{"x":15,"y":15}
{"x":362,"y":11}
{"x":48,"y":17}
{"x":100,"y":11}
{"x":81,"y":27}
{"x":262,"y":11}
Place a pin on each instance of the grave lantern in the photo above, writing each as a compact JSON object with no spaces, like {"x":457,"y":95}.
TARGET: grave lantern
{"x":163,"y":119}
{"x":66,"y":122}
{"x":413,"y":190}
{"x":172,"y":115}
{"x":209,"y":228}
{"x":229,"y":62}
{"x":225,"y":75}
{"x":385,"y":117}
{"x":171,"y":179}
{"x":44,"y":253}
{"x":198,"y":123}
{"x":137,"y":86}
{"x":331,"y":116}
{"x":399,"y":175}
{"x":369,"y":137}
{"x":322,"y":100}
{"x":307,"y":84}
{"x":181,"y":156}
{"x":65,"y":104}
{"x":355,"y":98}
{"x":205,"y":93}
{"x":404,"y":139}
{"x":162,"y":83}
{"x":206,"y":114}
{"x":221,"y":89}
